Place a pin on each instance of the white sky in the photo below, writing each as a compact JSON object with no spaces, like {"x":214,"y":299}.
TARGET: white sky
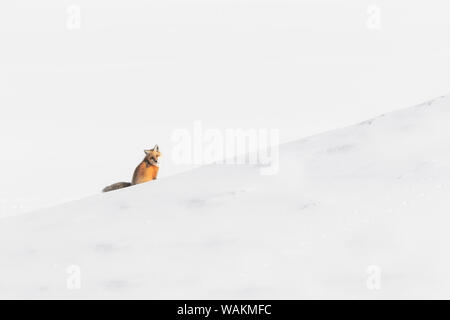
{"x":78,"y":106}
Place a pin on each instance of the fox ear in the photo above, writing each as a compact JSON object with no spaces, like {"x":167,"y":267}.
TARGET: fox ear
{"x":147,"y":151}
{"x":156,"y":148}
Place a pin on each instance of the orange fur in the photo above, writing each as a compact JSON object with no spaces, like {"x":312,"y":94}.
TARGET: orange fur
{"x":144,"y":173}
{"x":147,"y":170}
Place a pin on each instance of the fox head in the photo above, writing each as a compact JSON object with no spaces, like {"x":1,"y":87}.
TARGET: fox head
{"x":152,"y":155}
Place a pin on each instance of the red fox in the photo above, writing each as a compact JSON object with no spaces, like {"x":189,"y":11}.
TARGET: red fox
{"x":147,"y":170}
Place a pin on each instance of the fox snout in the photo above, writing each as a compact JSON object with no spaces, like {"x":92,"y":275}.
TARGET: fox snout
{"x":153,"y":154}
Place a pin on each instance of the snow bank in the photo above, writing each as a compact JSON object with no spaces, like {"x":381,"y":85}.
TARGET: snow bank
{"x":359,"y":212}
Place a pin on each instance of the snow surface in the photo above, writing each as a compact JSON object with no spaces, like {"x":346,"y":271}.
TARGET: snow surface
{"x":373,"y":194}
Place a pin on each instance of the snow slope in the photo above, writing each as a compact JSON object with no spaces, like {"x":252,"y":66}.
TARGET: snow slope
{"x":373,"y":196}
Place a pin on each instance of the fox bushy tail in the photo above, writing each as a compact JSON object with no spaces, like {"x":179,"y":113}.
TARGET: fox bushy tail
{"x":115,"y":186}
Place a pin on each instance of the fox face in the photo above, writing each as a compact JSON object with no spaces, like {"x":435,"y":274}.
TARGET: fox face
{"x":152,"y":155}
